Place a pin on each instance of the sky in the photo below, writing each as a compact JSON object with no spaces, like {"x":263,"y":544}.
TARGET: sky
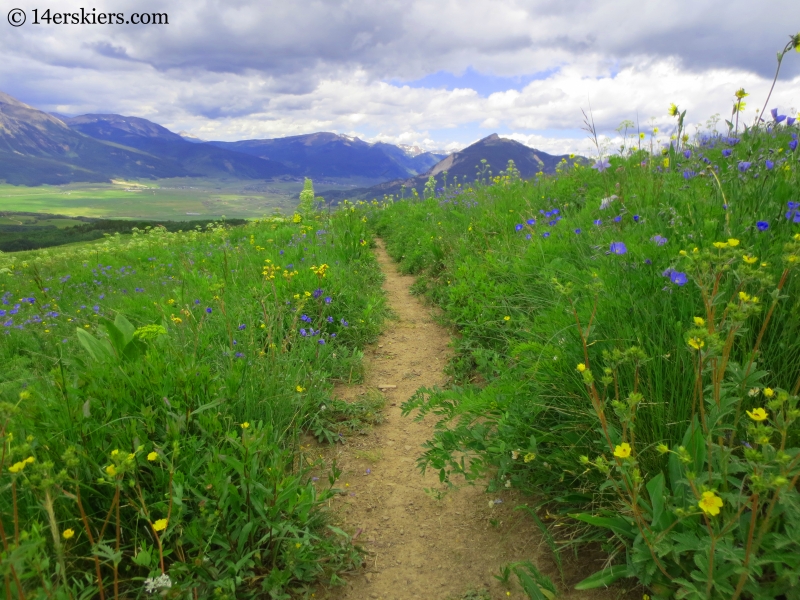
{"x":438,"y":74}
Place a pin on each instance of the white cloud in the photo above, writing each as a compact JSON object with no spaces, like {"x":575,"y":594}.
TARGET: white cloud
{"x":245,"y":69}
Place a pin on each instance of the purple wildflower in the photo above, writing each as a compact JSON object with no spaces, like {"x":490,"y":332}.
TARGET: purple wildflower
{"x":678,"y":278}
{"x":242,"y":326}
{"x":776,"y":117}
{"x":618,"y":248}
{"x":601,"y":165}
{"x":598,"y":222}
{"x":793,"y":145}
{"x":727,"y":152}
{"x":659,"y":240}
{"x":687,"y":154}
{"x":744,"y":165}
{"x":769,"y":164}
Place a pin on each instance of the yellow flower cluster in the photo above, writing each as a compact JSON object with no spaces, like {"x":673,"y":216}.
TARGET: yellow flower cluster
{"x":320,"y":271}
{"x":270,"y":270}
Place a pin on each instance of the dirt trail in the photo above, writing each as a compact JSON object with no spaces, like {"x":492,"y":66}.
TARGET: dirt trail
{"x":421,"y":547}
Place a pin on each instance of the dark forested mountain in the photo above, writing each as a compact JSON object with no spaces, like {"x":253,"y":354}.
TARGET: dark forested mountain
{"x":464,"y":166}
{"x":333,"y":155}
{"x":37,"y":148}
{"x":197,"y":159}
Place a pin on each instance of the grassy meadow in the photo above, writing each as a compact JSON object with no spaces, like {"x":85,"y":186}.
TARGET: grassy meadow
{"x":628,"y":353}
{"x":154,"y":390}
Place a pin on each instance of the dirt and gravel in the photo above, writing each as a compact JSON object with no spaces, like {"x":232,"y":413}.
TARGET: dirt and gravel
{"x":418,"y":544}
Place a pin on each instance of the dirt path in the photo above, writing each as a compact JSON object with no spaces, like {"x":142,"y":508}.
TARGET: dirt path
{"x":420,"y":546}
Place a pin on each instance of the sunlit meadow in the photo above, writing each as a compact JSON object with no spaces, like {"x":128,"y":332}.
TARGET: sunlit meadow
{"x":155,"y":388}
{"x":629,"y":350}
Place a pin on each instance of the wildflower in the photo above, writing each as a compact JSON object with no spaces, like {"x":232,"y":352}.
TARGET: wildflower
{"x":699,"y":321}
{"x":546,"y":234}
{"x":687,"y":154}
{"x":618,"y":248}
{"x":514,"y":454}
{"x":115,"y":452}
{"x":577,"y":231}
{"x":776,"y":117}
{"x":673,"y":111}
{"x":659,"y":240}
{"x":726,"y":152}
{"x":710,"y":503}
{"x":68,"y":534}
{"x":152,"y":457}
{"x":749,"y":259}
{"x":152,"y":585}
{"x":744,"y":296}
{"x":17,"y":467}
{"x":606,"y":202}
{"x":24,"y":395}
{"x":636,"y":218}
{"x":754,"y":392}
{"x":598,"y":222}
{"x":531,"y":222}
{"x":242,"y":327}
{"x":245,"y":425}
{"x":793,"y":145}
{"x":581,"y":367}
{"x":622,"y":450}
{"x":744,"y":165}
{"x":720,"y":245}
{"x":111,"y":470}
{"x":601,"y":165}
{"x":321,"y":342}
{"x":665,"y":162}
{"x":518,"y":227}
{"x":769,"y":164}
{"x":696,"y":343}
{"x":506,"y":318}
{"x":733,"y":242}
{"x":655,"y":129}
{"x":769,"y":392}
{"x":160,"y":525}
{"x":530,"y":456}
{"x":762,"y":225}
{"x":300,"y":389}
{"x":758,"y":414}
{"x":208,"y":310}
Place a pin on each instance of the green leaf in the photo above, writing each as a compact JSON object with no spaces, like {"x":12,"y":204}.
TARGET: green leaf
{"x":603,"y":578}
{"x":125,"y":327}
{"x":618,"y":525}
{"x":98,"y":350}
{"x":655,"y":487}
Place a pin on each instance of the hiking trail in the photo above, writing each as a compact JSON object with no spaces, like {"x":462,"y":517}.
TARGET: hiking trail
{"x":420,"y":547}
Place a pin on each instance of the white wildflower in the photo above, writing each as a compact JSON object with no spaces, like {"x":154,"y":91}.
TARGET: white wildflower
{"x":606,"y":202}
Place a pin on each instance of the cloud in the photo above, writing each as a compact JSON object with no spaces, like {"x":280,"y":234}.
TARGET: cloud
{"x":431,"y":73}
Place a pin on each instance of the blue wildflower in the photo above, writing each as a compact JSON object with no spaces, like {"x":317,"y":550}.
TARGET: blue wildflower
{"x":687,"y":154}
{"x":727,"y":152}
{"x":344,"y":323}
{"x":578,"y":231}
{"x":546,"y":234}
{"x":303,"y":332}
{"x":239,"y":355}
{"x":329,"y":319}
{"x":317,"y":293}
{"x":328,"y":299}
{"x":196,"y":301}
{"x":527,"y":237}
{"x":762,"y":225}
{"x":769,"y":164}
{"x":776,"y":117}
{"x":242,"y":326}
{"x":618,"y":218}
{"x":598,"y":222}
{"x":518,"y":227}
{"x":208,"y":310}
{"x":678,"y":278}
{"x":688,"y":174}
{"x":659,"y":240}
{"x":793,"y":145}
{"x":320,"y":341}
{"x":618,"y":248}
{"x":636,"y":218}
{"x":305,"y":318}
{"x":793,"y":214}
{"x":744,"y":165}
{"x":601,"y":165}
{"x":531,"y":222}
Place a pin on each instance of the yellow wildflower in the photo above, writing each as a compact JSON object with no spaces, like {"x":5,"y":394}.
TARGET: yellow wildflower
{"x":758,"y":414}
{"x":111,"y":470}
{"x":529,"y":457}
{"x":153,"y":456}
{"x":24,"y":395}
{"x":749,"y":259}
{"x":581,"y":367}
{"x":114,"y":452}
{"x":16,"y":467}
{"x":720,"y":245}
{"x":68,"y":533}
{"x":699,"y":321}
{"x":673,"y":110}
{"x":744,"y":297}
{"x":245,"y":425}
{"x":171,"y":301}
{"x":506,"y":318}
{"x":300,"y":388}
{"x":710,"y":503}
{"x":696,"y":343}
{"x":29,"y":460}
{"x":665,"y":162}
{"x":623,"y":450}
{"x":160,"y":525}
{"x":769,"y":392}
{"x":733,"y":242}
{"x":655,"y":129}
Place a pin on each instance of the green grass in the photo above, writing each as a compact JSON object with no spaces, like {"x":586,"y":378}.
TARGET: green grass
{"x":520,"y":412}
{"x":164,"y":379}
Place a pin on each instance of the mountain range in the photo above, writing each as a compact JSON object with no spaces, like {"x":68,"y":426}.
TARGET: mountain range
{"x":40,"y":148}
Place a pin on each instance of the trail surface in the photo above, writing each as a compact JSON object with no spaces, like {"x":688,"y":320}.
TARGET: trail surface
{"x":421,"y":547}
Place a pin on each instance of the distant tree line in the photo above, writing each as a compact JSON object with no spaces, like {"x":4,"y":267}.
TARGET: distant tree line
{"x":31,"y":236}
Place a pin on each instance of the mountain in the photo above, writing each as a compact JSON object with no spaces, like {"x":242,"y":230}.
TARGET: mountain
{"x":196,"y":159}
{"x":330,"y":155}
{"x":464,"y":166}
{"x":37,"y":148}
